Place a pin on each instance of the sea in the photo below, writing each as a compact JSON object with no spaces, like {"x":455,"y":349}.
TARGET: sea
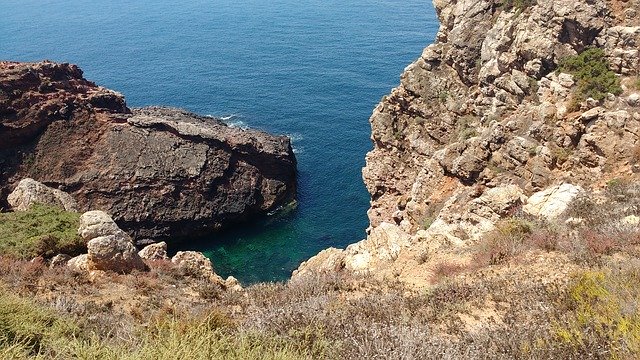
{"x":310,"y":69}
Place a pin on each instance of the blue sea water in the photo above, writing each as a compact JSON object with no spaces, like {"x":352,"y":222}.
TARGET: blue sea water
{"x":311,"y":69}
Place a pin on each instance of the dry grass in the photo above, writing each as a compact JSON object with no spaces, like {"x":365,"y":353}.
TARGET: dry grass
{"x":504,"y":305}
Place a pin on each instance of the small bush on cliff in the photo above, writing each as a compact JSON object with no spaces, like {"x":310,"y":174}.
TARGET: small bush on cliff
{"x":519,"y":5}
{"x":591,"y":71}
{"x":42,"y":231}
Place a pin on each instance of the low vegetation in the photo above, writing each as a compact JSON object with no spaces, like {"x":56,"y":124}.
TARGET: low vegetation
{"x":591,"y":70}
{"x":518,"y":5}
{"x":581,"y":302}
{"x":41,"y":231}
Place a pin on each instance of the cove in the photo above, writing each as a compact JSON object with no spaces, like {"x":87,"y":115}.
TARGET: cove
{"x":313,"y":70}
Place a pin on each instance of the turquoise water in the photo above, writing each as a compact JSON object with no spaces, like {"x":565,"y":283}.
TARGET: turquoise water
{"x":311,"y":69}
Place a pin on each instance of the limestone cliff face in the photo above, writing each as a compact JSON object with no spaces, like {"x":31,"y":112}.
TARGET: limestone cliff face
{"x":483,"y":119}
{"x":160,"y":172}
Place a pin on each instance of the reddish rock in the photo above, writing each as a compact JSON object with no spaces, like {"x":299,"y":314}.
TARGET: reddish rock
{"x":161,"y":173}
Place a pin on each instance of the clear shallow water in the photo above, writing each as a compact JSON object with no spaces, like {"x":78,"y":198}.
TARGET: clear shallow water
{"x":311,"y":69}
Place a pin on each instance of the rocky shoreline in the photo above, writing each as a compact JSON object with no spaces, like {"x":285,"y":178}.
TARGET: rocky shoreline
{"x":162,"y":173}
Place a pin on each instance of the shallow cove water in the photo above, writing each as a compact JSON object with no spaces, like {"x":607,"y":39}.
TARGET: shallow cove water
{"x":313,"y":70}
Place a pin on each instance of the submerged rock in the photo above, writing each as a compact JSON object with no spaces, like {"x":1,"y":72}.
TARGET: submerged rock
{"x":162,"y":173}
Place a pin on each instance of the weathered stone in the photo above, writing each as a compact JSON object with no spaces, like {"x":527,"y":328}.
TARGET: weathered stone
{"x":97,"y":223}
{"x":79,"y":263}
{"x":552,"y":202}
{"x":30,"y":192}
{"x":193,"y":263}
{"x":113,"y":253}
{"x":154,"y":251}
{"x":59,"y":260}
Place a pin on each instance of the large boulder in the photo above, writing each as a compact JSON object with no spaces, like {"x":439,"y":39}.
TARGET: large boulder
{"x":161,"y":173}
{"x":552,"y":202}
{"x":113,"y":253}
{"x":97,"y":223}
{"x":30,"y":192}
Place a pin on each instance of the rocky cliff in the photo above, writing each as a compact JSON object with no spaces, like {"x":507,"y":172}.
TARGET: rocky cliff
{"x":513,"y":98}
{"x":160,"y":172}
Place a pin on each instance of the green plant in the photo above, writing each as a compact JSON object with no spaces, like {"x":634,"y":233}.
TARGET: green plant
{"x":465,"y":129}
{"x":604,"y":314}
{"x":443,"y":96}
{"x":26,"y":328}
{"x":591,"y":70}
{"x":41,"y":231}
{"x":519,"y":5}
{"x":507,"y":241}
{"x":560,"y":154}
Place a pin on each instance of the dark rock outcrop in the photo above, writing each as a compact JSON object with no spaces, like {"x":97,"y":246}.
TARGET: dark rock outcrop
{"x":160,"y":172}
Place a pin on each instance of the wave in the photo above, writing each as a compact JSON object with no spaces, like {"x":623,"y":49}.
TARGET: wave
{"x":233,"y":120}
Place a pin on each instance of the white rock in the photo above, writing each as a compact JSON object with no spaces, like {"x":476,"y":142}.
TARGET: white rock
{"x":29,"y":192}
{"x":631,"y":220}
{"x":156,"y":251}
{"x":79,"y":263}
{"x":193,"y":263}
{"x":552,"y":202}
{"x":59,"y":260}
{"x":97,"y":223}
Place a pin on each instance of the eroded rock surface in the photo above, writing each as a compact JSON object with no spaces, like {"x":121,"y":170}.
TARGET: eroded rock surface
{"x":483,"y":122}
{"x":156,"y":251}
{"x":113,"y":253}
{"x":30,"y":192}
{"x":160,"y":172}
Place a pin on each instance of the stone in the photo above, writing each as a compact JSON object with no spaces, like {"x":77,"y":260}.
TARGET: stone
{"x":113,"y":253}
{"x":552,"y":202}
{"x":231,"y":283}
{"x":154,"y":251}
{"x":30,"y":192}
{"x":97,"y":223}
{"x":161,"y":172}
{"x":79,"y":264}
{"x":193,"y":263}
{"x":59,"y":260}
{"x":631,"y":220}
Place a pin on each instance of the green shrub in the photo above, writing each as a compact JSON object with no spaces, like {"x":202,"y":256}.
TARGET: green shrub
{"x":519,"y":5}
{"x":604,"y":316}
{"x":40,"y":231}
{"x":591,"y":71}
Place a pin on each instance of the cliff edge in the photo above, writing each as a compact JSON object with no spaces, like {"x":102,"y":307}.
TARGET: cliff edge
{"x":516,"y":101}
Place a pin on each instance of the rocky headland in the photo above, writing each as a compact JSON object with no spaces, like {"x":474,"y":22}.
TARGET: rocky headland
{"x":162,"y":173}
{"x":504,"y":219}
